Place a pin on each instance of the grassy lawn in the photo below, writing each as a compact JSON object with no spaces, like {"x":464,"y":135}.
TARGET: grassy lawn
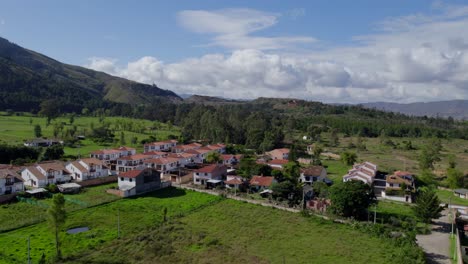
{"x":17,"y":129}
{"x":448,"y":196}
{"x":21,"y":214}
{"x":387,"y":209}
{"x":136,"y":214}
{"x":336,"y":169}
{"x":236,"y":232}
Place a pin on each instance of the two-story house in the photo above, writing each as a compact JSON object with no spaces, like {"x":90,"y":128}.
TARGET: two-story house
{"x":42,"y":174}
{"x":282,"y":154}
{"x":164,"y":165}
{"x":86,"y":169}
{"x":110,"y":156}
{"x":160,"y":145}
{"x":132,"y":162}
{"x":313,"y":174}
{"x":364,"y":172}
{"x":213,"y":173}
{"x":184,"y":148}
{"x":136,"y":182}
{"x":10,"y":182}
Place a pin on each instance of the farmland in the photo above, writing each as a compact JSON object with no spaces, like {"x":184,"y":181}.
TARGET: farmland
{"x":17,"y":129}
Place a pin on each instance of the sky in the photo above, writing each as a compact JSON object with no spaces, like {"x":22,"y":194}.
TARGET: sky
{"x":330,"y":51}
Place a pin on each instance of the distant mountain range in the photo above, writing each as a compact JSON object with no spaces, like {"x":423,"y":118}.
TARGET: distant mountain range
{"x":457,"y":109}
{"x":28,"y":78}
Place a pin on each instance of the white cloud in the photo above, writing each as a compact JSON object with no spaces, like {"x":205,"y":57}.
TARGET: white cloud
{"x":233,"y":28}
{"x":2,"y":22}
{"x":412,"y":58}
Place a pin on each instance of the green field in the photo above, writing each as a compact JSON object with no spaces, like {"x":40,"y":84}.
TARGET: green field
{"x":17,"y":129}
{"x":448,"y":197}
{"x":201,"y":229}
{"x":236,"y":232}
{"x":136,"y":215}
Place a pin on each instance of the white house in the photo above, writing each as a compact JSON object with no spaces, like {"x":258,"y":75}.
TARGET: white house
{"x":136,"y":182}
{"x":10,"y":182}
{"x":110,"y":156}
{"x":86,"y":169}
{"x":220,"y":148}
{"x":184,"y":148}
{"x":164,"y":165}
{"x":160,"y":146}
{"x":132,"y":162}
{"x":313,"y":174}
{"x":213,"y":172}
{"x":42,"y":174}
{"x":230,"y":159}
{"x":364,"y":172}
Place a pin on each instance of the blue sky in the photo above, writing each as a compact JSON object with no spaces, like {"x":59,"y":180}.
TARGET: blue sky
{"x":332,"y":51}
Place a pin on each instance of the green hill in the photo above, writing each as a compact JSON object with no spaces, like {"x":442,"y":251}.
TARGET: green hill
{"x":27,"y":78}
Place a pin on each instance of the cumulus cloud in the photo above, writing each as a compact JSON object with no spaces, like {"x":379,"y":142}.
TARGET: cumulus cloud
{"x":234,"y":28}
{"x":413,"y":58}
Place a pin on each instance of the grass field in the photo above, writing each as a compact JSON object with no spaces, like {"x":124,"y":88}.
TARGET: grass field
{"x":136,"y":215}
{"x":448,"y":197}
{"x":21,"y":214}
{"x":236,"y":232}
{"x":17,"y":129}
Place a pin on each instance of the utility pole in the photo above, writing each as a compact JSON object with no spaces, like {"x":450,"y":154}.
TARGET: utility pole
{"x":375,"y":213}
{"x":118,"y":223}
{"x":29,"y":249}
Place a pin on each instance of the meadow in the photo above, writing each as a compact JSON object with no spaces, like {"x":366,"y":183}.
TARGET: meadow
{"x":17,"y":129}
{"x":236,"y":232}
{"x":136,"y":215}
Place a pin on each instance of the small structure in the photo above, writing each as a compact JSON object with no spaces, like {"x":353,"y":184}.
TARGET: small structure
{"x":42,"y":142}
{"x":69,"y":187}
{"x":260,"y":183}
{"x":136,"y":182}
{"x":282,"y":153}
{"x":10,"y":182}
{"x":233,"y":182}
{"x":277,"y":163}
{"x":462,"y":193}
{"x":230,"y":159}
{"x":166,"y":145}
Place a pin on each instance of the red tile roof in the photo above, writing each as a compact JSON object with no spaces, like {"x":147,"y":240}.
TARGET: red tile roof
{"x":265,"y":181}
{"x":212,"y":168}
{"x":278,"y":162}
{"x":130,"y":174}
{"x":233,"y":181}
{"x":135,"y":157}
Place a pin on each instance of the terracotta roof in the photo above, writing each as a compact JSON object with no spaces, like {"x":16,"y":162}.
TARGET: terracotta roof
{"x":106,"y":151}
{"x":192,"y":151}
{"x":402,"y":173}
{"x":135,"y":157}
{"x":54,"y":165}
{"x":265,"y":181}
{"x":280,"y":150}
{"x":233,"y":181}
{"x":277,"y":162}
{"x":203,"y":150}
{"x":397,"y":179}
{"x":155,"y":153}
{"x":211,"y":168}
{"x":312,"y":171}
{"x":125,"y":148}
{"x":130,"y":174}
{"x":162,"y":160}
{"x":159,"y":143}
{"x":4,"y":173}
{"x":93,"y":161}
{"x":36,"y":172}
{"x":79,"y":166}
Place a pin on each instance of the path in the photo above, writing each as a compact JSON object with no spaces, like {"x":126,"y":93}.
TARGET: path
{"x":437,"y":244}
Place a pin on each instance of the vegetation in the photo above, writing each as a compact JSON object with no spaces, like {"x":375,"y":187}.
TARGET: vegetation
{"x":57,"y":217}
{"x":427,"y":205}
{"x":351,"y":199}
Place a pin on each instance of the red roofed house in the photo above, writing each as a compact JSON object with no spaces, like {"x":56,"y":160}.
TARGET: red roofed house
{"x":132,"y":162}
{"x":164,"y":165}
{"x":110,"y":156}
{"x":282,"y":153}
{"x":136,"y":182}
{"x":184,"y":148}
{"x":160,"y":146}
{"x":10,"y":182}
{"x":258,"y":183}
{"x":86,"y":169}
{"x":214,"y":174}
{"x":395,"y":182}
{"x":364,"y":172}
{"x":233,"y":181}
{"x":230,"y":160}
{"x":314,"y":173}
{"x":220,"y":148}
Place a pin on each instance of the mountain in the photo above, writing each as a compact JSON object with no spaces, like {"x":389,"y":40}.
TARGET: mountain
{"x":27,"y":78}
{"x":457,"y":109}
{"x":209,"y":100}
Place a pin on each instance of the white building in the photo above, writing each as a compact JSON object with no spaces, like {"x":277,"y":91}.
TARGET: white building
{"x":212,"y":172}
{"x":364,"y":172}
{"x":160,"y":145}
{"x":10,"y":182}
{"x":87,"y":169}
{"x":42,"y":174}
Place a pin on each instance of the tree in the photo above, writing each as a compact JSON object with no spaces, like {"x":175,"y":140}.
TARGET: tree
{"x":122,"y":138}
{"x":321,"y":189}
{"x":291,"y":171}
{"x":72,"y":119}
{"x":348,"y":158}
{"x":427,"y":205}
{"x":213,"y":157}
{"x":452,"y":162}
{"x":54,"y":152}
{"x":316,"y":151}
{"x":427,"y":178}
{"x":455,"y":178}
{"x":262,"y":169}
{"x":334,"y":141}
{"x":351,"y":199}
{"x":50,"y":109}
{"x":430,"y":154}
{"x":56,"y":218}
{"x":37,"y":131}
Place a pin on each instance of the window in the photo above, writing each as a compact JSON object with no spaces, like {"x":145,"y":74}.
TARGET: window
{"x":391,"y":184}
{"x":122,"y":178}
{"x":130,"y":180}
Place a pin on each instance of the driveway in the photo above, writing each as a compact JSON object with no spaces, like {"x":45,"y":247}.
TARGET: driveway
{"x":436,"y":245}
